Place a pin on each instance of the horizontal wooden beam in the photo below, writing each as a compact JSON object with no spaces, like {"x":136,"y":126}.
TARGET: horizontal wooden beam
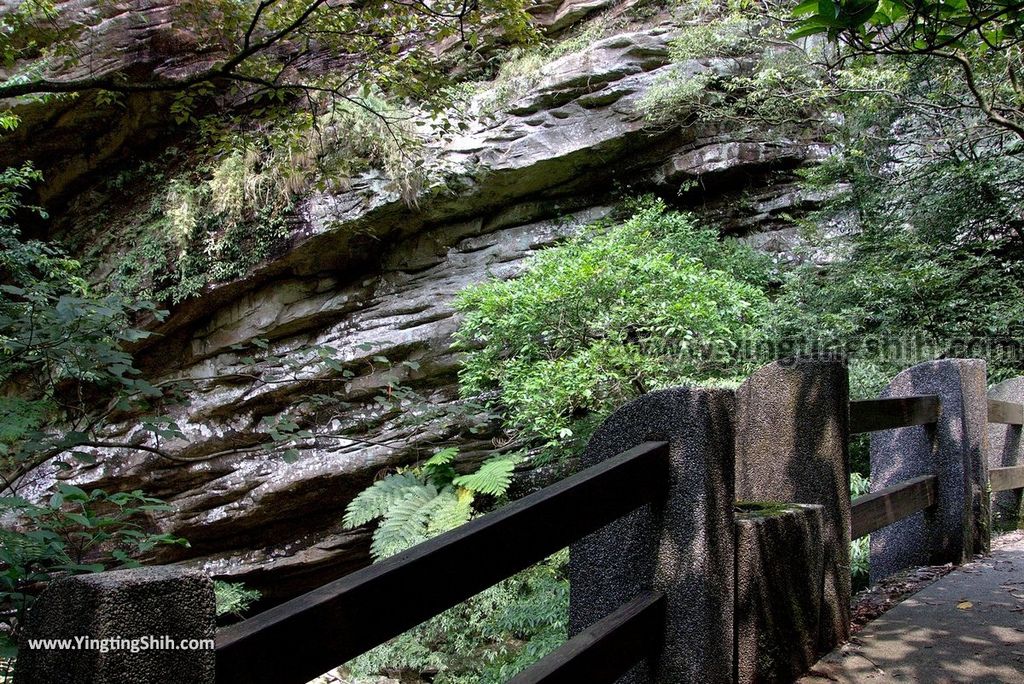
{"x":307,"y":636}
{"x":876,"y":510}
{"x":873,"y":415}
{"x":606,"y":650}
{"x":1004,"y":479}
{"x":1005,"y":412}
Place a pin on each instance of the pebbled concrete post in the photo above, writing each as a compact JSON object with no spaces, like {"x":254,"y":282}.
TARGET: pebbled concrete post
{"x":780,"y":573}
{"x":149,"y":607}
{"x":954,"y":450}
{"x":1006,"y":448}
{"x":792,"y":446}
{"x":683,"y":546}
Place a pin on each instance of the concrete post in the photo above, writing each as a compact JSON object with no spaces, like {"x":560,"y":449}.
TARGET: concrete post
{"x":780,"y":570}
{"x":1006,"y":448}
{"x":954,"y":451}
{"x":683,"y":546}
{"x":792,"y":446}
{"x":143,"y":626}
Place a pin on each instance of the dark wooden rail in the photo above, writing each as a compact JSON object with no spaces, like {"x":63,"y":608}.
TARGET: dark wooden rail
{"x":1005,"y":412}
{"x":876,"y":510}
{"x":873,"y":415}
{"x":1004,"y":479}
{"x":307,"y":636}
{"x":607,"y":649}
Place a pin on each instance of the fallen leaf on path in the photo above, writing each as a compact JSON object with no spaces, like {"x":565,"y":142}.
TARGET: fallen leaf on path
{"x":965,"y":605}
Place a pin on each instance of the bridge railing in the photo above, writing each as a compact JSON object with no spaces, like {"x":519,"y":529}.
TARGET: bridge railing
{"x":1006,"y":478}
{"x":671,"y":579}
{"x":886,"y":506}
{"x":343,"y":619}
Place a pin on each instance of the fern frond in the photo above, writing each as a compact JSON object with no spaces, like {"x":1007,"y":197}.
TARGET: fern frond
{"x":438,"y":468}
{"x":442,"y":457}
{"x":233,"y":598}
{"x":493,"y":477}
{"x":405,"y":523}
{"x":449,"y":511}
{"x":375,"y":501}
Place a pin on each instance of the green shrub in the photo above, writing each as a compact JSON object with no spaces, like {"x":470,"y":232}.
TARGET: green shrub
{"x":616,"y":311}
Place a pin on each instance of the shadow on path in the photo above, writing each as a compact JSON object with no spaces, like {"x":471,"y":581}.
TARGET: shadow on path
{"x":966,"y":627}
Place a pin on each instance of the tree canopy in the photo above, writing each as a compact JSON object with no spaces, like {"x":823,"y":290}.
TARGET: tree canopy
{"x":257,"y":47}
{"x":980,"y":37}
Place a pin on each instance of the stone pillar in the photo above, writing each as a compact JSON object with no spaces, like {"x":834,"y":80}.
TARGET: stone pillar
{"x":141,"y":610}
{"x":1006,"y":448}
{"x":683,"y":545}
{"x":792,"y":445}
{"x":780,"y":565}
{"x":953,"y":450}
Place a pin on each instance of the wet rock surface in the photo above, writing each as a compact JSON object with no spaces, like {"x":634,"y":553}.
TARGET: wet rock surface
{"x":371,"y":277}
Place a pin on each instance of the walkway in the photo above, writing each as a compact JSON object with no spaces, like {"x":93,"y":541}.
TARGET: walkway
{"x":966,"y":627}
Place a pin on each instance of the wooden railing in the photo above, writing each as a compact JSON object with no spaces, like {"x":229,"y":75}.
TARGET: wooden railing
{"x":1010,"y":477}
{"x":1005,"y":412}
{"x":1005,"y":479}
{"x":302,"y":638}
{"x":607,"y":649}
{"x":873,"y":415}
{"x":884,"y":507}
{"x":878,"y":509}
{"x":307,"y":636}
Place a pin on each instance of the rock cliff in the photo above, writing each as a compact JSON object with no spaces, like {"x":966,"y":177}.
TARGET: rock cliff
{"x":372,"y":277}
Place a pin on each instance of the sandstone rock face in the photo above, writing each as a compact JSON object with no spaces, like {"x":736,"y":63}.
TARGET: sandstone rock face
{"x":371,"y":277}
{"x":71,"y":138}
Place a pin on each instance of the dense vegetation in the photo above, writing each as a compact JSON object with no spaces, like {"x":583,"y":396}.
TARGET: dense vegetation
{"x":923,"y":228}
{"x":624,"y":308}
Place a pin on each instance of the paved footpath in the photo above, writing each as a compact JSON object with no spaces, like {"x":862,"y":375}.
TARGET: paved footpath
{"x":966,"y":627}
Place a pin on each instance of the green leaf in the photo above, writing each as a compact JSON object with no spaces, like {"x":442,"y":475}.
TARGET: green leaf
{"x":79,"y":519}
{"x":374,"y":501}
{"x":72,"y":493}
{"x":493,"y":477}
{"x":406,"y":522}
{"x":442,"y":457}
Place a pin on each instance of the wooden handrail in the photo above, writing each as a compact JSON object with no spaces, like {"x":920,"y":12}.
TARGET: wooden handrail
{"x":876,"y":510}
{"x":1005,"y":479}
{"x":308,"y":635}
{"x":607,"y":649}
{"x":1005,"y":412}
{"x":873,"y":415}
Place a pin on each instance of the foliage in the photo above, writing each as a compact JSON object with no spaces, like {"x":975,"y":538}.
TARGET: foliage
{"x":233,"y":598}
{"x":922,"y":279}
{"x":72,"y":532}
{"x":980,"y":39}
{"x":760,"y":82}
{"x":258,"y":44}
{"x":492,"y":635}
{"x":418,"y":503}
{"x":60,"y":346}
{"x":232,"y":208}
{"x":619,"y":310}
{"x":934,"y":266}
{"x":860,"y":549}
{"x":486,"y":639}
{"x":935,"y":269}
{"x":521,"y":68}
